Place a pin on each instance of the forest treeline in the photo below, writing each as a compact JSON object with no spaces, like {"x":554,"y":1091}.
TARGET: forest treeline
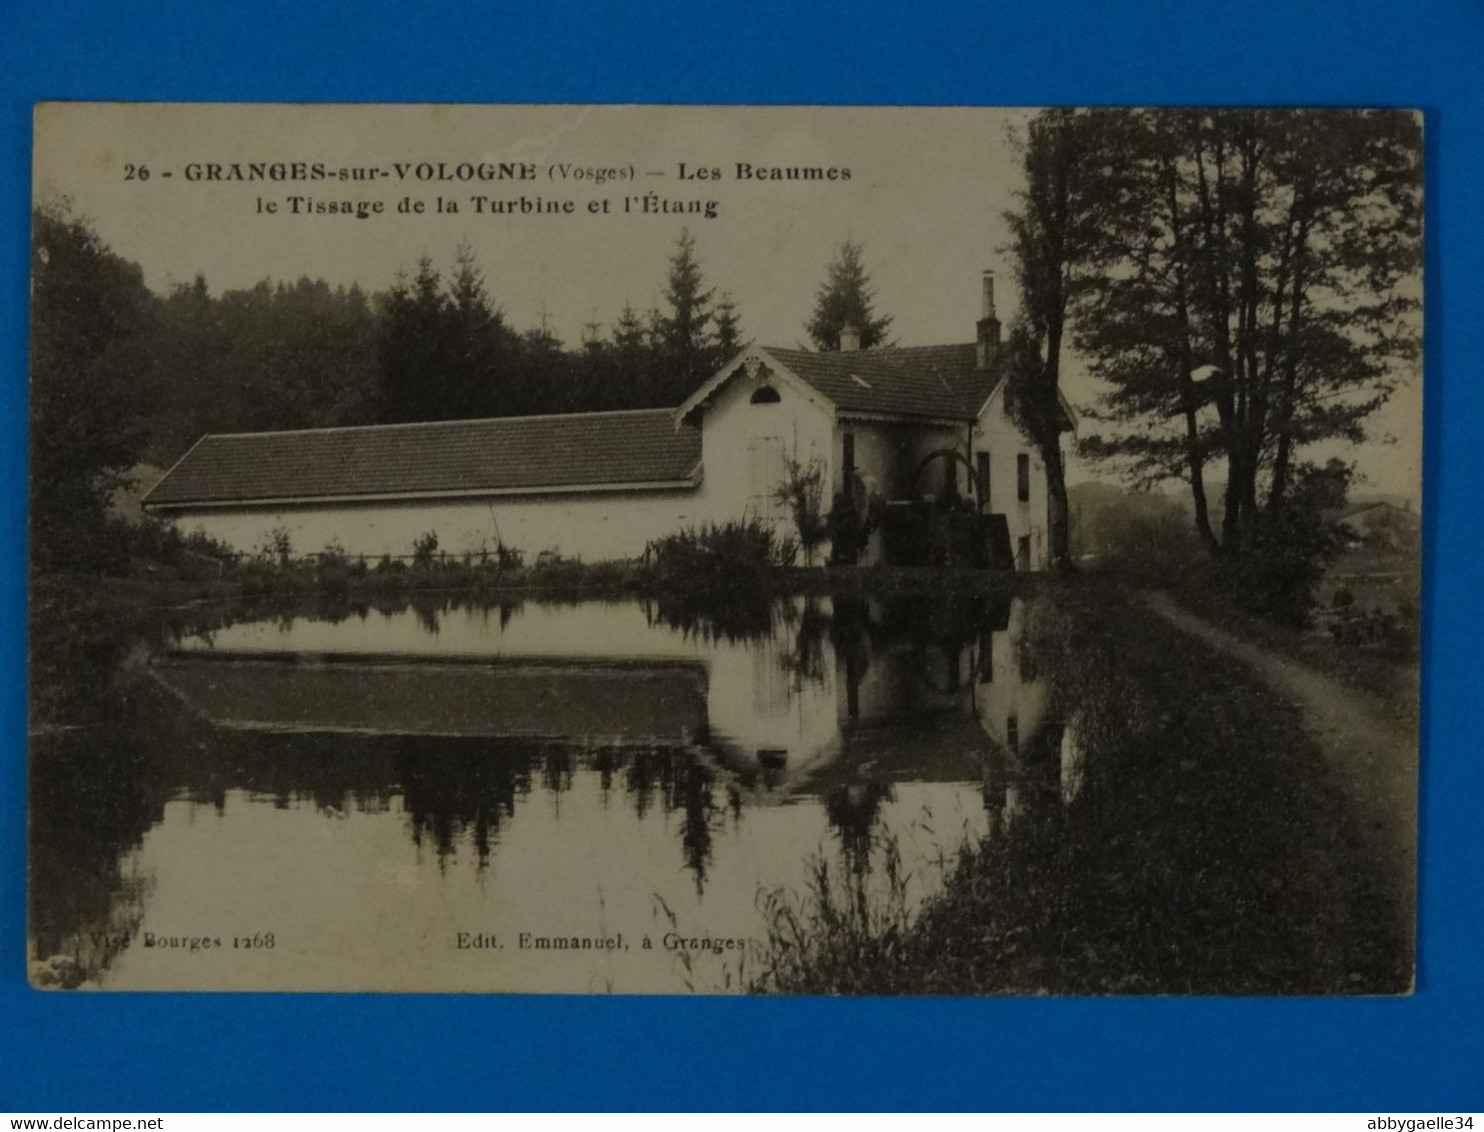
{"x":435,"y":346}
{"x":121,"y":375}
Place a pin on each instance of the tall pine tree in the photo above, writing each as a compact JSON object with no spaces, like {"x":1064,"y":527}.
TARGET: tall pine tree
{"x":847,"y":297}
{"x":728,"y":328}
{"x":682,"y":329}
{"x":482,"y":382}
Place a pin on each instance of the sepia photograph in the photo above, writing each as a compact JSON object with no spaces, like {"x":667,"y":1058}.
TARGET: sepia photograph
{"x":694,"y":550}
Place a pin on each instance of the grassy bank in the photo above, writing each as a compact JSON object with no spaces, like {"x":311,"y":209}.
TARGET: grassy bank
{"x":1206,"y":851}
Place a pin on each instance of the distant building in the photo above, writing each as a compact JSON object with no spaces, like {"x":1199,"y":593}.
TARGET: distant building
{"x":883,"y":425}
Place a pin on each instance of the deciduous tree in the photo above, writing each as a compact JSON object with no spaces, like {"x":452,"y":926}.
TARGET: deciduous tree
{"x":1252,"y":293}
{"x":90,"y":320}
{"x":1051,"y":232}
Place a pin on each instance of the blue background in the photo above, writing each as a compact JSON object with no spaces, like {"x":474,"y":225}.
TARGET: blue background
{"x":62,"y":1052}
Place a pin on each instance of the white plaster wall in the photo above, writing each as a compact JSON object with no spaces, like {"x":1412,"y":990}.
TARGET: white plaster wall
{"x":998,"y":435}
{"x":598,"y":527}
{"x":801,"y":422}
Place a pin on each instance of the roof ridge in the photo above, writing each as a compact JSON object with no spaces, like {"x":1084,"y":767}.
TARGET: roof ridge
{"x":669,"y":411}
{"x":869,"y":350}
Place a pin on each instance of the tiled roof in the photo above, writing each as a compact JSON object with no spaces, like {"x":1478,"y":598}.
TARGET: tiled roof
{"x":495,"y":455}
{"x":913,"y":381}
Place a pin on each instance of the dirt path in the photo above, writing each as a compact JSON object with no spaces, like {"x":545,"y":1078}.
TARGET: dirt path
{"x":1372,"y":754}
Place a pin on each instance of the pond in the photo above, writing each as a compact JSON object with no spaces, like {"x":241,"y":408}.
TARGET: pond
{"x":450,"y":796}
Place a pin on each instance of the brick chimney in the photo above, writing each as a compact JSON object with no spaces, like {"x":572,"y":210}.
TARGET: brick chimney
{"x":850,"y":338}
{"x":988,"y":326}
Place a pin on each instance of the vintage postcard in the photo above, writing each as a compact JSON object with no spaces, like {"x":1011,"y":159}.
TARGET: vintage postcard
{"x":672,"y":549}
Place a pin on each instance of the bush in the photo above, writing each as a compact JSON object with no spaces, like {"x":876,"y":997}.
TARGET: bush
{"x":334,"y":570}
{"x":1276,"y":575}
{"x":157,"y":541}
{"x":736,"y":558}
{"x":425,"y":550}
{"x":117,"y":546}
{"x":1154,"y":548}
{"x":276,"y":546}
{"x":802,"y":492}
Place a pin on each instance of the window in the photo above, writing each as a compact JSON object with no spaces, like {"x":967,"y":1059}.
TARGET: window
{"x":986,"y":657}
{"x":1027,"y":662}
{"x":1023,"y":554}
{"x":848,"y":456}
{"x":981,"y":468}
{"x":766,"y":395}
{"x":1023,"y":478}
{"x":1012,"y":734}
{"x":764,"y":476}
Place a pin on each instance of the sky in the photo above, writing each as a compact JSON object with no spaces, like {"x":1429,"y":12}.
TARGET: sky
{"x":925,"y":197}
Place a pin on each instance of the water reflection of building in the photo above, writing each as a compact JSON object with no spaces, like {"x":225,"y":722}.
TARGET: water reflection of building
{"x":1037,"y":758}
{"x":923,"y":683}
{"x":836,"y":691}
{"x":837,"y":700}
{"x":454,"y":722}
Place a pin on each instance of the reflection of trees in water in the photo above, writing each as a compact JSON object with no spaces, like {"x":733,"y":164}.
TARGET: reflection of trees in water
{"x":428,"y":611}
{"x":649,"y":769}
{"x":805,"y":659}
{"x":94,"y":794}
{"x":453,"y":788}
{"x":428,"y":607}
{"x":685,"y":785}
{"x":733,"y":619}
{"x":557,"y":765}
{"x":694,"y":799}
{"x":458,"y":790}
{"x":333,"y":773}
{"x":97,"y":782}
{"x":607,"y":761}
{"x":852,"y":812}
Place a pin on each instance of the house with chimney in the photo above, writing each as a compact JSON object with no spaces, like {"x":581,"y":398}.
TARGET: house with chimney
{"x":891,"y":427}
